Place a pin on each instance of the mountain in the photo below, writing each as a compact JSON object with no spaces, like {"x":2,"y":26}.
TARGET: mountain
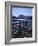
{"x":29,"y":17}
{"x":14,"y":17}
{"x":22,"y":17}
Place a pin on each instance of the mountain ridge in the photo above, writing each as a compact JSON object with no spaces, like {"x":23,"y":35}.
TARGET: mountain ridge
{"x":22,"y":17}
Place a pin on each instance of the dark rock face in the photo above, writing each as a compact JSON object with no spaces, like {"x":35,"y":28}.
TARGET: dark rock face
{"x":20,"y":30}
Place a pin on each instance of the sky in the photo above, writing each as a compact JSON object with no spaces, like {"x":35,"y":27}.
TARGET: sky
{"x":16,"y":11}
